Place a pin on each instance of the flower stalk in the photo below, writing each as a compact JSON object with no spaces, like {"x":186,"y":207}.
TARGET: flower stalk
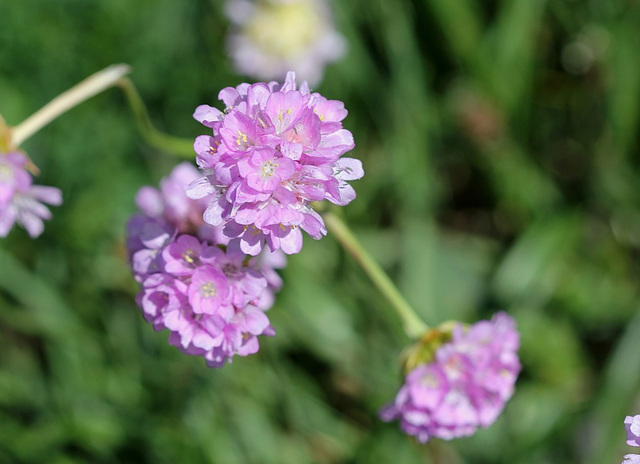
{"x":164,"y":142}
{"x":79,"y":93}
{"x":413,"y":325}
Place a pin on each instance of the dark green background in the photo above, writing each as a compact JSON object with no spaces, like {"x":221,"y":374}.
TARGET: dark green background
{"x":499,"y":140}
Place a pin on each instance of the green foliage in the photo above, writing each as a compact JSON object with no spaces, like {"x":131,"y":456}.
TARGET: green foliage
{"x":500,"y":149}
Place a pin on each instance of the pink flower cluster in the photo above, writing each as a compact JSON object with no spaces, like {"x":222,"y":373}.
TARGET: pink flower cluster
{"x":464,"y":387}
{"x":273,"y":152}
{"x":20,"y":201}
{"x":632,"y":427}
{"x":195,"y":282}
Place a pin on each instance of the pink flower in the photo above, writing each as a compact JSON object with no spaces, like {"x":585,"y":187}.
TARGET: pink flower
{"x":274,"y":151}
{"x":196,"y":283}
{"x":264,"y":171}
{"x":20,"y":201}
{"x":464,"y":386}
{"x":238,"y":334}
{"x":162,"y":295}
{"x":209,"y":290}
{"x":182,"y":255}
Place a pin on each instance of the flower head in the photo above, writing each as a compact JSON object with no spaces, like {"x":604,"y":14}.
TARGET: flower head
{"x":461,"y":383}
{"x":270,"y":37}
{"x":195,"y":282}
{"x":273,"y":152}
{"x":20,"y":201}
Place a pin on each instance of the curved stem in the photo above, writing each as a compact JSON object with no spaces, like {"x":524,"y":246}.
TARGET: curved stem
{"x":77,"y":94}
{"x":168,"y":143}
{"x":413,"y":325}
{"x":92,"y":85}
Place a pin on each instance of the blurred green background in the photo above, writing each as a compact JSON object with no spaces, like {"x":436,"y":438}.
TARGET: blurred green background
{"x":499,"y":140}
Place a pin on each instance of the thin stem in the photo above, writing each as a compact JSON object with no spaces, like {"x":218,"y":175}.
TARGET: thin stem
{"x":413,"y":325}
{"x":86,"y":89}
{"x":179,"y":146}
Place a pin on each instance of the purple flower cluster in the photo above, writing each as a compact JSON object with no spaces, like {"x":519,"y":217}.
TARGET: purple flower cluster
{"x":20,"y":201}
{"x":464,"y":387}
{"x":274,"y":151}
{"x":196,"y":283}
{"x":632,"y":427}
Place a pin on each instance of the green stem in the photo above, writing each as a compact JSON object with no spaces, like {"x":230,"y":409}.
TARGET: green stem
{"x":413,"y":325}
{"x":177,"y":145}
{"x":77,"y":94}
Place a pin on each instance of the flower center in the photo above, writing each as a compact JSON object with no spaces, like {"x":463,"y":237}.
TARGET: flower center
{"x":429,"y":381}
{"x":188,"y":256}
{"x":280,"y":114}
{"x":207,"y":290}
{"x":268,"y":169}
{"x":242,"y":138}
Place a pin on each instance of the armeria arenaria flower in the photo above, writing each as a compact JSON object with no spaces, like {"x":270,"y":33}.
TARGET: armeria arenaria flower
{"x":196,"y":283}
{"x":271,"y":37}
{"x":273,"y":152}
{"x":458,"y":379}
{"x":20,"y":201}
{"x":632,"y":427}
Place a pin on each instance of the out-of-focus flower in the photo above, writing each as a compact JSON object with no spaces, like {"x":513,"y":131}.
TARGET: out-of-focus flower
{"x":458,"y":379}
{"x":20,"y":201}
{"x":171,"y":202}
{"x":271,"y":37}
{"x":195,"y":282}
{"x":273,"y":152}
{"x":631,"y":459}
{"x":632,"y":427}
